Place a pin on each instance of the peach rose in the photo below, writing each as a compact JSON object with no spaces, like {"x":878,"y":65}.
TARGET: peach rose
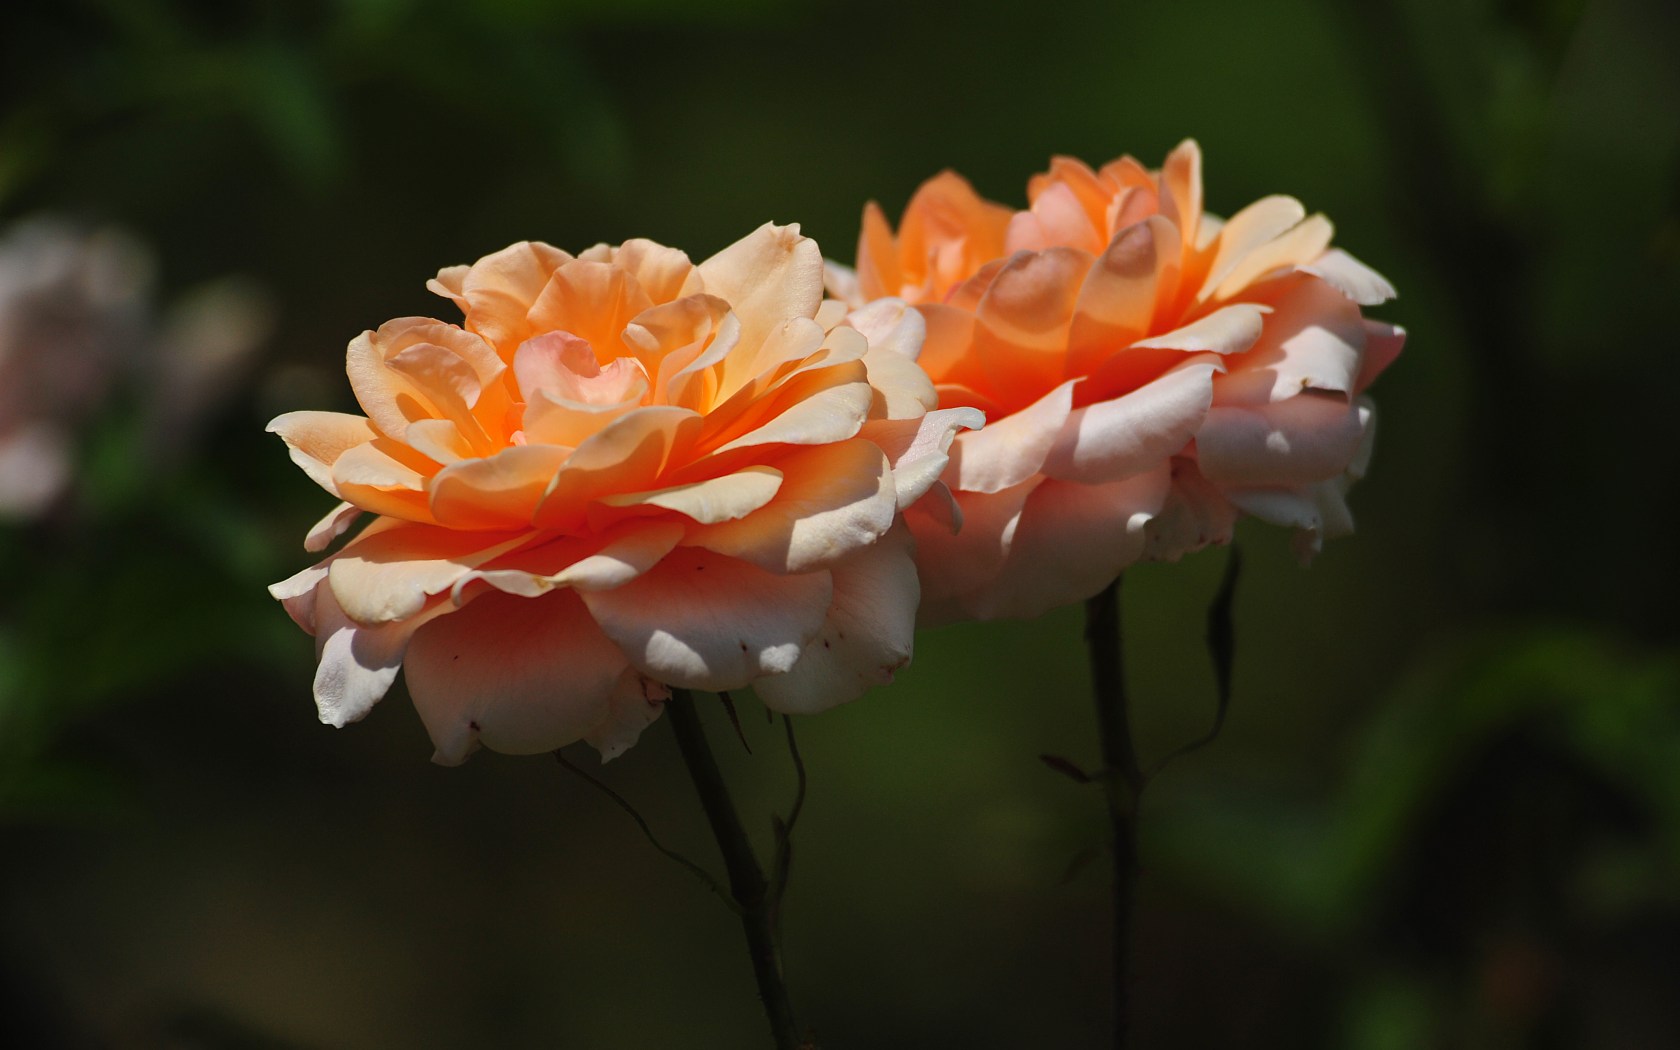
{"x":1148,"y":372}
{"x":626,"y":472}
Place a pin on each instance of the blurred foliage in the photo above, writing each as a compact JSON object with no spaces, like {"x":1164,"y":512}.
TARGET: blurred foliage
{"x":1444,"y":811}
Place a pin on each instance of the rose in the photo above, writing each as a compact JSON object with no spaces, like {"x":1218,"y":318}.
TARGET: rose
{"x":626,"y":472}
{"x":1148,"y":372}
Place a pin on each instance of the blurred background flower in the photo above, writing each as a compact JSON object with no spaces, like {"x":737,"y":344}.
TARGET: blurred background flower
{"x":1443,"y":808}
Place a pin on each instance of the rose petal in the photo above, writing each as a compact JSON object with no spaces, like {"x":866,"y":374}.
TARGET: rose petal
{"x":499,"y":492}
{"x":635,"y":704}
{"x":1227,"y":330}
{"x":1012,"y":449}
{"x":519,"y":675}
{"x":767,"y":277}
{"x":834,"y":500}
{"x":919,"y":449}
{"x":331,"y":527}
{"x":1304,"y":439}
{"x":1128,"y":435}
{"x":867,"y":636}
{"x":315,"y":440}
{"x":1351,"y":277}
{"x":391,"y":574}
{"x":699,"y":620}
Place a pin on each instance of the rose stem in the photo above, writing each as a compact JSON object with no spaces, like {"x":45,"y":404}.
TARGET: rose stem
{"x":746,"y":879}
{"x":1123,"y":782}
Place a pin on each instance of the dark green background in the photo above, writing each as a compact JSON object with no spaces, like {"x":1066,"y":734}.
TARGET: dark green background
{"x":1445,"y":811}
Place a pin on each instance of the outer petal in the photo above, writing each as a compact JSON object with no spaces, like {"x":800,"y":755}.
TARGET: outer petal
{"x":1010,"y":450}
{"x":1304,"y":439}
{"x":956,"y":566}
{"x":919,"y":449}
{"x":699,"y":620}
{"x":357,"y":664}
{"x":391,"y":574}
{"x":1227,"y":330}
{"x":317,"y":439}
{"x":1070,"y":542}
{"x":519,"y":675}
{"x":1351,"y":277}
{"x":868,"y":634}
{"x":1116,"y":439}
{"x":636,"y":703}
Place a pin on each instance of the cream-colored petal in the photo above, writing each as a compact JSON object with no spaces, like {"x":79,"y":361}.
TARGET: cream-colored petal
{"x":600,"y":562}
{"x":393,"y":573}
{"x":919,"y":449}
{"x":1228,"y":330}
{"x":315,"y":440}
{"x":834,"y":411}
{"x":517,"y":675}
{"x":834,"y":500}
{"x":868,"y":634}
{"x":1246,"y":231}
{"x":1291,"y":249}
{"x":699,"y":620}
{"x":720,"y":499}
{"x":1012,"y":449}
{"x":767,"y":277}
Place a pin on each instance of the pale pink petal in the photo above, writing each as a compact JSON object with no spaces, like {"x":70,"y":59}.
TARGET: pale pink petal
{"x":296,"y":594}
{"x":1010,"y":450}
{"x":1315,"y":340}
{"x":357,"y":663}
{"x":834,"y":499}
{"x":1304,"y":439}
{"x":919,"y":449}
{"x":890,"y":324}
{"x":518,"y":675}
{"x":1383,"y":343}
{"x":699,"y":620}
{"x":1128,"y":435}
{"x":867,"y":636}
{"x":1196,"y":515}
{"x":1069,"y":542}
{"x":955,"y":567}
{"x":635,"y":704}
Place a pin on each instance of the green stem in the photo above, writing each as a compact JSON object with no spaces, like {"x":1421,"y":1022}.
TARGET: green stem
{"x":758,"y":908}
{"x":1123,"y":781}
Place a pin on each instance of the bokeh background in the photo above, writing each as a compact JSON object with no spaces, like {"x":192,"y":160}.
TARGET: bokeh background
{"x":1445,"y":809}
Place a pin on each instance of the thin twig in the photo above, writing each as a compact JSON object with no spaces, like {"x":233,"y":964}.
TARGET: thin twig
{"x":619,"y":800}
{"x":784,"y":829}
{"x":1221,"y":642}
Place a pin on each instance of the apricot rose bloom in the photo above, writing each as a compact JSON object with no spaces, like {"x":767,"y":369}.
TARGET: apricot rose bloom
{"x":624,"y":473}
{"x":1148,"y":372}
